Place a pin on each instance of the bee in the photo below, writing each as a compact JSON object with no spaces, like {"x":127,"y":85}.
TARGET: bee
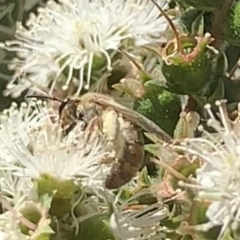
{"x":121,"y":127}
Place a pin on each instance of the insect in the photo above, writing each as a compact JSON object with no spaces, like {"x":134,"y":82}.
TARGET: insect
{"x":120,"y":126}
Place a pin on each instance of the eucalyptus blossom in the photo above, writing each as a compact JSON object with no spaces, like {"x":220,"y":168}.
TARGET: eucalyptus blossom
{"x":218,"y":179}
{"x":72,"y":35}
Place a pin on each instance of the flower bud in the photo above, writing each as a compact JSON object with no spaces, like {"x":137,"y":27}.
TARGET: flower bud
{"x":188,"y":69}
{"x":37,"y":215}
{"x":64,"y":192}
{"x":94,"y":228}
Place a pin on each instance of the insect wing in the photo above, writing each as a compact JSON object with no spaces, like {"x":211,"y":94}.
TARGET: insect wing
{"x":131,"y":115}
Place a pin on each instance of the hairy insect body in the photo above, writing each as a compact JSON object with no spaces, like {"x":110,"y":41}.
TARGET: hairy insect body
{"x":125,"y":144}
{"x":111,"y":129}
{"x":122,"y":141}
{"x":120,"y":127}
{"x":131,"y":159}
{"x":72,"y":112}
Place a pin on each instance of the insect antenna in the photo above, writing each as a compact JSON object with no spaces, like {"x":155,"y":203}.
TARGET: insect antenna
{"x":52,"y":98}
{"x":44,"y":97}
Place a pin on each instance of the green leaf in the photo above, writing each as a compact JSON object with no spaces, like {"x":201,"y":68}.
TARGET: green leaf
{"x":214,"y":89}
{"x":189,"y":18}
{"x":186,"y":125}
{"x":193,"y":20}
{"x":198,"y":26}
{"x":44,"y":231}
{"x":157,"y":85}
{"x":143,"y":178}
{"x":124,"y":194}
{"x":159,"y":105}
{"x":161,"y":152}
{"x":46,"y":201}
{"x":153,"y":148}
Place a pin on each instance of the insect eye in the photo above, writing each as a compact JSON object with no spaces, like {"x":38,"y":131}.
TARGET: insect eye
{"x":80,"y":116}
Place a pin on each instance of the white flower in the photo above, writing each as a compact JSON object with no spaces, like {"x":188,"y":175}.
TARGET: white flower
{"x":23,"y":213}
{"x":37,"y":148}
{"x":67,"y":37}
{"x":10,"y":219}
{"x":9,"y":228}
{"x":131,"y":224}
{"x":35,"y":72}
{"x":17,"y":123}
{"x":219,"y":177}
{"x":15,"y":189}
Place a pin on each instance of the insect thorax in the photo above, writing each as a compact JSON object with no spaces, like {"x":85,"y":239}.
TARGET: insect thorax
{"x":73,"y":112}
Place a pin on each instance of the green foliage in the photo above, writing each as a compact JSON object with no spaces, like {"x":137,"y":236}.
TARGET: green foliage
{"x":94,"y":228}
{"x":203,"y":5}
{"x":232,"y":25}
{"x":62,"y":192}
{"x":160,"y":106}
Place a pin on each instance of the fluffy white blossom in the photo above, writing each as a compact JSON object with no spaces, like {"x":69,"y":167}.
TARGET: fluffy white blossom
{"x":68,"y":36}
{"x":9,"y":229}
{"x":35,"y":146}
{"x":14,"y":188}
{"x":16,"y":123}
{"x":218,"y":180}
{"x":13,"y":216}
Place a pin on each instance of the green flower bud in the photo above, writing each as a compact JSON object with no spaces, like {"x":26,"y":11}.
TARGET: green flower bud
{"x":203,"y":5}
{"x":64,"y":191}
{"x":189,"y":69}
{"x":37,"y":215}
{"x":94,"y":228}
{"x":32,"y":213}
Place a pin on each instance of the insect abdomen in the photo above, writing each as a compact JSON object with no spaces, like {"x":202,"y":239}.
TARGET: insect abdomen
{"x":127,"y":167}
